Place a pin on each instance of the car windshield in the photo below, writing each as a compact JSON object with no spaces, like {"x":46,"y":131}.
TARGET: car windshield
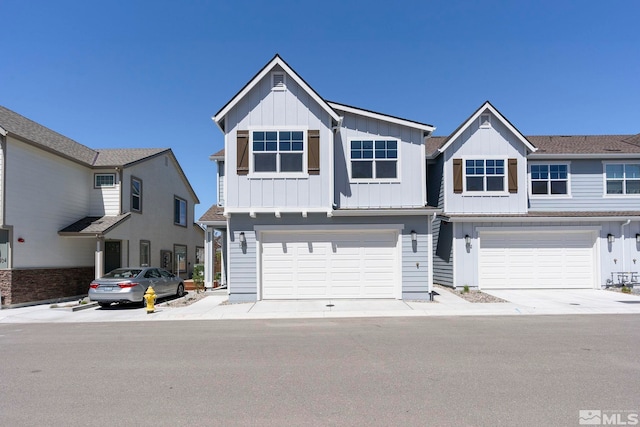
{"x":122,"y":273}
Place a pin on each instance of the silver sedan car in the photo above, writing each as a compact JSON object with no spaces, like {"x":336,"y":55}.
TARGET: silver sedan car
{"x":129,"y":285}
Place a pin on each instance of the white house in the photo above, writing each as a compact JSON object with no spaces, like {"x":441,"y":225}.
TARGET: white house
{"x":69,"y":213}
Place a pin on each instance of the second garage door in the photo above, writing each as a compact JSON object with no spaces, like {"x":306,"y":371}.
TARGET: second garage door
{"x":537,"y":259}
{"x":330,"y":265}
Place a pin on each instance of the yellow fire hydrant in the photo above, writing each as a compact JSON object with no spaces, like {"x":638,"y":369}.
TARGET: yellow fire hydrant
{"x":150,"y":298}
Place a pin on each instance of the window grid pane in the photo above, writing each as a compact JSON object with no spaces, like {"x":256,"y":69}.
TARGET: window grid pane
{"x":278,"y":151}
{"x":364,"y":153}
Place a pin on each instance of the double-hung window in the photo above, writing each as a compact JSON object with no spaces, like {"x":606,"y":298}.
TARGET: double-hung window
{"x":278,"y":151}
{"x":549,"y":179}
{"x":485,"y":175}
{"x":179,"y":211}
{"x":136,"y":194}
{"x":622,"y":178}
{"x":374,"y":159}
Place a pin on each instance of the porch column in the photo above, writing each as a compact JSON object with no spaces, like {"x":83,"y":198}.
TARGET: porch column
{"x":99,"y":257}
{"x":209,"y":257}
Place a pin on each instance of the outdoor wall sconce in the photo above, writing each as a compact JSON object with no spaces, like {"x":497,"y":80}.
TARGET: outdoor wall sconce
{"x":467,"y":240}
{"x":414,"y":236}
{"x":610,"y":238}
{"x":242,"y":238}
{"x":638,"y":238}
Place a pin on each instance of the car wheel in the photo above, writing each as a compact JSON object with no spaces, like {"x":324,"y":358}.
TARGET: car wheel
{"x":104,"y":304}
{"x":180,"y":291}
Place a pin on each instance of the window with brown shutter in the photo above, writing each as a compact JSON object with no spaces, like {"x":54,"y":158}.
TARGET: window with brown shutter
{"x":513,"y":175}
{"x":313,"y":153}
{"x":242,"y":137}
{"x":457,"y":175}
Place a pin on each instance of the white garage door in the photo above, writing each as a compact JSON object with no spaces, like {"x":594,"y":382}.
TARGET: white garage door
{"x":540,"y":259}
{"x":330,"y":265}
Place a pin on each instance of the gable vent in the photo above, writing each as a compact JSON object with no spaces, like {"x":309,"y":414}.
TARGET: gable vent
{"x":278,"y":81}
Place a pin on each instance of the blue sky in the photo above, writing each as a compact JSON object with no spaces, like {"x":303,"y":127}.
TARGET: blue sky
{"x":152,"y":73}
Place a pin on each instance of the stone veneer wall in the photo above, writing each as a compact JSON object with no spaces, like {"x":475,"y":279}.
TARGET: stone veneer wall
{"x":20,"y":286}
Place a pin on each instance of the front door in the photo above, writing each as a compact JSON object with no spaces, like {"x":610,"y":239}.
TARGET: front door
{"x":112,"y":256}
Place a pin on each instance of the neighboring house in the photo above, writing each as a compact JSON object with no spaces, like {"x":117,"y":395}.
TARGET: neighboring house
{"x":536,"y":211}
{"x":318,"y":199}
{"x":69,"y":213}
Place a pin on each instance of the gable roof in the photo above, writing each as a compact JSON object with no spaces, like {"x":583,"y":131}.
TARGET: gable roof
{"x":29,"y":131}
{"x":276,"y":61}
{"x":379,"y":116}
{"x":602,"y":145}
{"x":125,"y":156}
{"x":484,"y":107}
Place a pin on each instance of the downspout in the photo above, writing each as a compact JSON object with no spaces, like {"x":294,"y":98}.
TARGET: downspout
{"x":430,"y":244}
{"x":622,"y":238}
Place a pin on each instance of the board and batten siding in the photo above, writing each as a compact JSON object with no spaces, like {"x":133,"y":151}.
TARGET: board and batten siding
{"x":267,"y":109}
{"x":407,"y":191}
{"x":46,"y":193}
{"x":243,"y":277}
{"x":496,"y":142}
{"x":587,"y":192}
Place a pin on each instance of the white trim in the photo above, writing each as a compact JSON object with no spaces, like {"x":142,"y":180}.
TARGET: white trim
{"x":328,"y":228}
{"x":3,"y":131}
{"x":484,"y":121}
{"x":260,"y":230}
{"x":373,"y":139}
{"x":549,"y":196}
{"x":524,"y":219}
{"x":281,"y":87}
{"x":624,"y":180}
{"x":423,"y":172}
{"x":595,"y":231}
{"x":505,"y":177}
{"x":383,"y":117}
{"x":599,"y":156}
{"x":276,"y":61}
{"x":386,"y":212}
{"x":304,"y":173}
{"x":487,"y":106}
{"x":283,"y":210}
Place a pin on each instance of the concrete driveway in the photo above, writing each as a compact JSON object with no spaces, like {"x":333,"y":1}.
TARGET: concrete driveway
{"x":563,"y":300}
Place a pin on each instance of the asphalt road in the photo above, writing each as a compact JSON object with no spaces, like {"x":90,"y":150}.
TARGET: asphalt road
{"x":483,"y":371}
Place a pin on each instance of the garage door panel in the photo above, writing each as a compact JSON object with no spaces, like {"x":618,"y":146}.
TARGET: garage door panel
{"x":329,"y":265}
{"x":537,"y":260}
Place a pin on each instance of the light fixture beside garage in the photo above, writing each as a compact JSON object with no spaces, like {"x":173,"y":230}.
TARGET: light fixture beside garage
{"x":638,"y":238}
{"x":414,"y":236}
{"x":610,"y":238}
{"x":467,"y":239}
{"x":242,"y":238}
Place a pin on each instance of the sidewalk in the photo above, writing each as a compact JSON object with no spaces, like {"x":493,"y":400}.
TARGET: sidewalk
{"x":215,"y":307}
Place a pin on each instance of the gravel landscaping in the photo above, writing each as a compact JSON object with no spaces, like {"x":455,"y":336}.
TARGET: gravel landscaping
{"x":471,"y":295}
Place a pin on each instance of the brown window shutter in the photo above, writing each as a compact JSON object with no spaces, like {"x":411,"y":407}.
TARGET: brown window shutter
{"x":242,"y":153}
{"x":313,"y":153}
{"x":457,"y":175}
{"x":513,"y":175}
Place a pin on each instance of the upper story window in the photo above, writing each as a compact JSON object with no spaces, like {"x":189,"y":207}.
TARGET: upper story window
{"x":104,"y":180}
{"x":485,"y":175}
{"x":278,"y":151}
{"x":179,"y":211}
{"x":622,"y":178}
{"x":549,"y":179}
{"x":374,"y":159}
{"x":136,"y":194}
